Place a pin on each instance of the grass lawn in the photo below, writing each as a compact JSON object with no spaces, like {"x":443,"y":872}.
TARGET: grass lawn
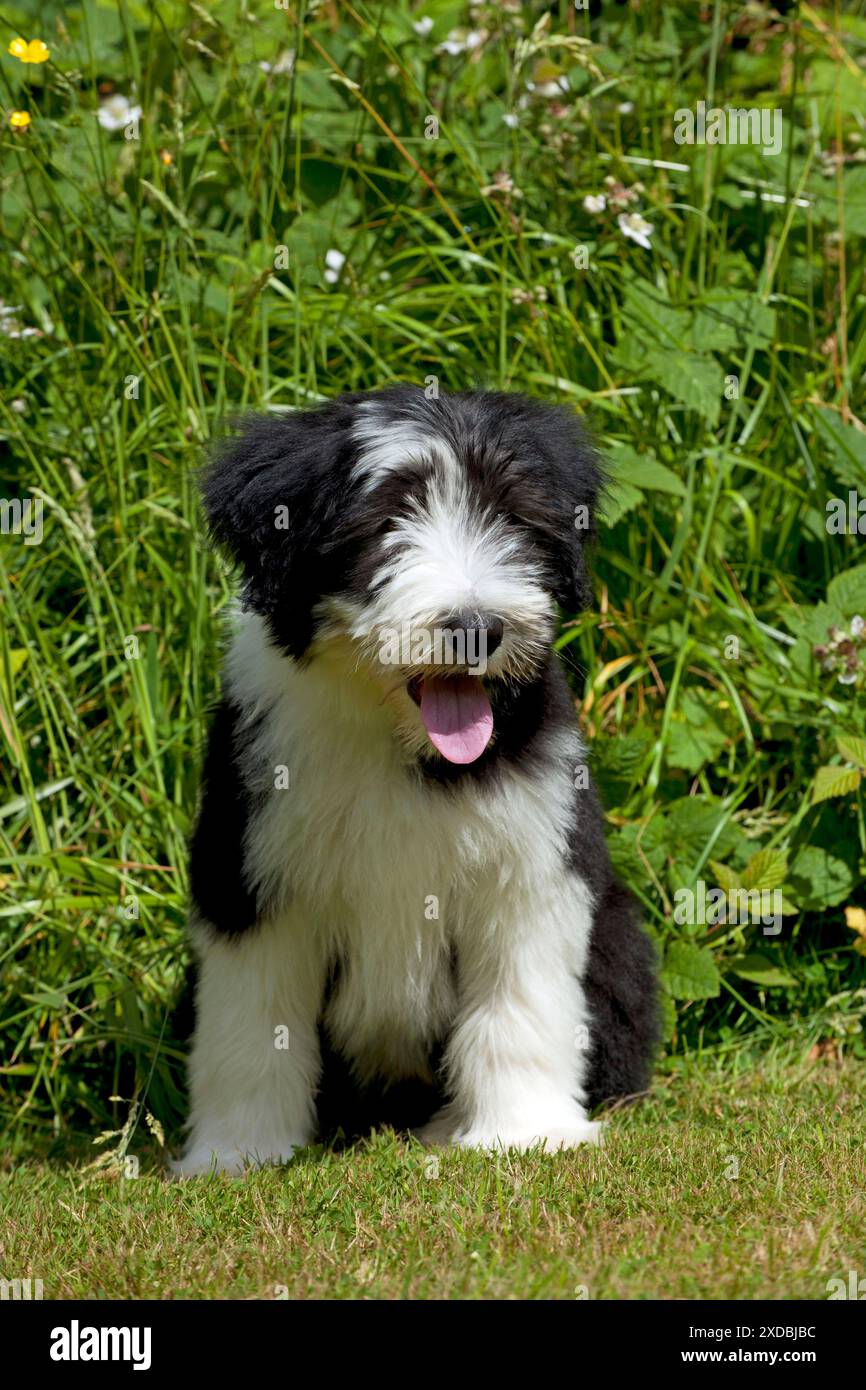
{"x":213,"y":208}
{"x":168,"y":271}
{"x":655,"y":1213}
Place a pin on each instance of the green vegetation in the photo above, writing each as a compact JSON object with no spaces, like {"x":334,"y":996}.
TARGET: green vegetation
{"x":744,"y":1186}
{"x":162,"y":270}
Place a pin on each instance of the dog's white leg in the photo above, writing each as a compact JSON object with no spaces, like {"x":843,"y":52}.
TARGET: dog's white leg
{"x":254,"y":1062}
{"x":518,"y":1051}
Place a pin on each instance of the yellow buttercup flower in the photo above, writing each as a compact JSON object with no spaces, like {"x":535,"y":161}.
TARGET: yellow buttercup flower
{"x":19,"y":120}
{"x":856,"y":920}
{"x":33,"y":52}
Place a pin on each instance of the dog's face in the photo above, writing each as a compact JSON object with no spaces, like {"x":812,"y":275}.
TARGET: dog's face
{"x":427,"y":542}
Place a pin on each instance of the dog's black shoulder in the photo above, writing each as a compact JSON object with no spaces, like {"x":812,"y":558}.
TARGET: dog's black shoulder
{"x":219,"y":893}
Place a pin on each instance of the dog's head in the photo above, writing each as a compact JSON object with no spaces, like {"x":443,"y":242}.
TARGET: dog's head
{"x":427,"y":540}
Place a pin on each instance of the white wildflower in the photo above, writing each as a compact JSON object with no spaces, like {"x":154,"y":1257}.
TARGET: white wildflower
{"x":636,"y":228}
{"x":334,"y":261}
{"x":283,"y":67}
{"x":554,"y":88}
{"x":10,"y":326}
{"x":116,"y":112}
{"x":459,"y":41}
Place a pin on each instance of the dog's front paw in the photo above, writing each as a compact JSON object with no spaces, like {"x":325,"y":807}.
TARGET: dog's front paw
{"x":209,"y":1158}
{"x":572,"y":1137}
{"x":549,"y":1139}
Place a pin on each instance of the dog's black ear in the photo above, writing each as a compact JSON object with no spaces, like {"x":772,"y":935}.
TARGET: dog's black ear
{"x":563,"y":483}
{"x":579,"y":480}
{"x":573,"y":591}
{"x":272,"y":496}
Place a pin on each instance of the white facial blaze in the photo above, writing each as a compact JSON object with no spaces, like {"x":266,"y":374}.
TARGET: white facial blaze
{"x":388,"y":447}
{"x":447,"y":555}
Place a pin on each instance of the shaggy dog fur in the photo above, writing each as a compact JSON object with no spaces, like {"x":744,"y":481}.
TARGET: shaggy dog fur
{"x":403,"y":906}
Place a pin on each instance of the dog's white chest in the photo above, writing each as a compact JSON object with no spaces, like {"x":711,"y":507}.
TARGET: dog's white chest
{"x":385,"y":870}
{"x":391,"y":920}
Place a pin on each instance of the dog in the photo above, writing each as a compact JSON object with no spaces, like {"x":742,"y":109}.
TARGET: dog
{"x":402,"y":900}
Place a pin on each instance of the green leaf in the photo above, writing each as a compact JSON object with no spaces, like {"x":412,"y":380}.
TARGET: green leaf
{"x":691,"y":829}
{"x":690,"y":972}
{"x":668,"y":1013}
{"x":766,"y":869}
{"x":51,"y":998}
{"x":698,"y":382}
{"x":618,"y":761}
{"x":760,"y":971}
{"x":694,"y":735}
{"x":630,"y":474}
{"x":725,"y":877}
{"x":825,"y":198}
{"x":848,"y":591}
{"x":853,"y":750}
{"x":644,"y":471}
{"x":834,"y":781}
{"x":617,"y":500}
{"x":845,"y":447}
{"x":654,"y":346}
{"x":637,"y":850}
{"x":813,"y":623}
{"x":647,"y":310}
{"x":725,"y":319}
{"x":17,"y":658}
{"x":820,"y":879}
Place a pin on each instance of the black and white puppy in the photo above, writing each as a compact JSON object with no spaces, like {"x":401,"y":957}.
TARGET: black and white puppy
{"x":398,"y":865}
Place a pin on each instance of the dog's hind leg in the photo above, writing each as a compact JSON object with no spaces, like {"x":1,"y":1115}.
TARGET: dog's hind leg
{"x":621,"y":990}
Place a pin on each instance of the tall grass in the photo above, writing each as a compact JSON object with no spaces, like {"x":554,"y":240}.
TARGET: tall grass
{"x":183,"y":273}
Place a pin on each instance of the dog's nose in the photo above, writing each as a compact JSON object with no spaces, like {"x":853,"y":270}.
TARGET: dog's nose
{"x":490,"y":629}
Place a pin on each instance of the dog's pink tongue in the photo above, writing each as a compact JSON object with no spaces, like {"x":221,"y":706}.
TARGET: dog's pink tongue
{"x":457,"y":716}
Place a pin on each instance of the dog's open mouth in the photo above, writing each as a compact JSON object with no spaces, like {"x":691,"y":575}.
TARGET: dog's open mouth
{"x":456,"y":713}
